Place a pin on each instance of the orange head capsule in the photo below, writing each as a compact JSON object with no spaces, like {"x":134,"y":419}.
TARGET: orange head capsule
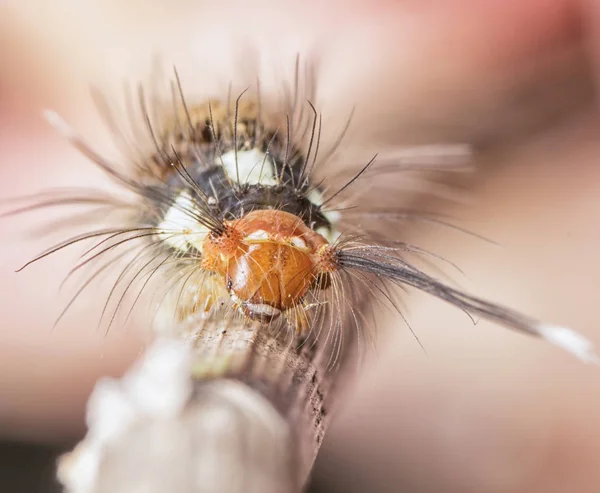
{"x":269,"y":259}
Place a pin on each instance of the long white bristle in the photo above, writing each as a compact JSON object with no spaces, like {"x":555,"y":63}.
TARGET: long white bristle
{"x":570,"y":341}
{"x":58,"y":123}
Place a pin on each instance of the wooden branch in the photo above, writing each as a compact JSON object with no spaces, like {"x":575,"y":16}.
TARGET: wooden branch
{"x":253,"y":418}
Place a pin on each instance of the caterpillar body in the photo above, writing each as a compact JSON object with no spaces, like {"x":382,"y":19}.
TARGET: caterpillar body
{"x":229,"y":219}
{"x":227,"y":204}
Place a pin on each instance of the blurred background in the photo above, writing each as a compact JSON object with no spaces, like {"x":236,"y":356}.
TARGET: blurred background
{"x":486,"y":409}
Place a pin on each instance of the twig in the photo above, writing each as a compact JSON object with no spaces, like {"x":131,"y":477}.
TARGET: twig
{"x":229,"y":407}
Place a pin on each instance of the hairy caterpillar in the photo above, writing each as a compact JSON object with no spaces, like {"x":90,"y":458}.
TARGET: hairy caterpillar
{"x":228,"y":204}
{"x":229,"y":216}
